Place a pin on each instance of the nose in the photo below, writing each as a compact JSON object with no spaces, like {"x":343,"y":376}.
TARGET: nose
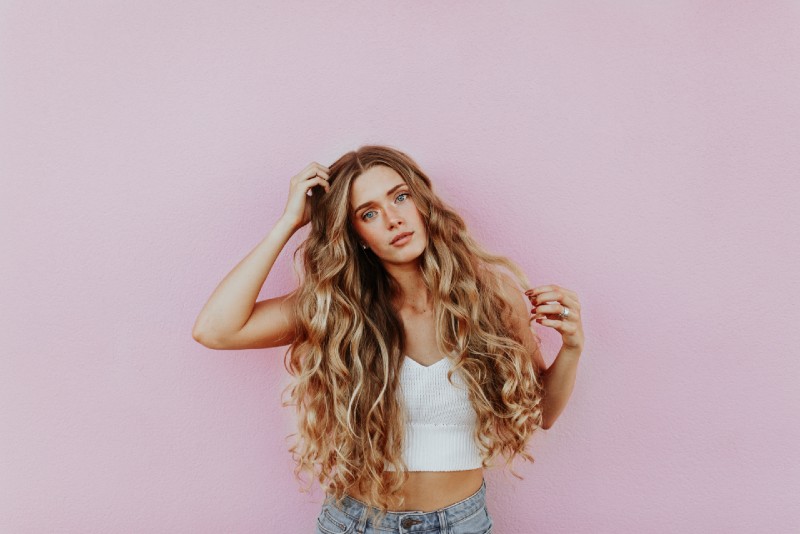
{"x":393,"y":217}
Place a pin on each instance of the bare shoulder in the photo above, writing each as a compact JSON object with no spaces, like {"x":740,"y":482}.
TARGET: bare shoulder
{"x":521,"y":318}
{"x":515,"y":297}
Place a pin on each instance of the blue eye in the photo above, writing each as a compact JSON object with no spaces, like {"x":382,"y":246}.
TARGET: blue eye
{"x":364,"y":215}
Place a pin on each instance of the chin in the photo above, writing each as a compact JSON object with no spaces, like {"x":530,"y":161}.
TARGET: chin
{"x":418,"y":251}
{"x":408,"y":254}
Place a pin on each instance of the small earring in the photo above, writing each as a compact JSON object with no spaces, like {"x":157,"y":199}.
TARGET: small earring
{"x":363,"y":246}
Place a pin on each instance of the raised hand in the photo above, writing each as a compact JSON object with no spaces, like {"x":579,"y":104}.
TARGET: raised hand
{"x":298,"y":209}
{"x":558,"y":307}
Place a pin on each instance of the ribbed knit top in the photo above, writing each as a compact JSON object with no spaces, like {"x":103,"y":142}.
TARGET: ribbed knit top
{"x":441,"y":419}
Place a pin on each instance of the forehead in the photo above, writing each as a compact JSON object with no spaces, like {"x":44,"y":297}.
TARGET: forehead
{"x":373,"y":184}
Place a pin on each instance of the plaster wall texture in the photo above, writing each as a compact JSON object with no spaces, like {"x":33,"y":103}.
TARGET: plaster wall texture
{"x":643,"y":154}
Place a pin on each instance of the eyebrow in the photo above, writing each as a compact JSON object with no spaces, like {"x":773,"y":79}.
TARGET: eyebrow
{"x":389,"y":192}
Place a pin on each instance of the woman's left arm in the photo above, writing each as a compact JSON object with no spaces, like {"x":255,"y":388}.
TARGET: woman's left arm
{"x":558,"y":308}
{"x":559,"y":379}
{"x":548,"y":302}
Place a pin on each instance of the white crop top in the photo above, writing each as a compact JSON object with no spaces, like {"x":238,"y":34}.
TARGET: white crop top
{"x":441,"y":419}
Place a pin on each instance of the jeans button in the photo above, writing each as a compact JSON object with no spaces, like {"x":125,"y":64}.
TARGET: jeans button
{"x":408,"y":521}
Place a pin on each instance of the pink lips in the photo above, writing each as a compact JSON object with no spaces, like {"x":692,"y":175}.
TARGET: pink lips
{"x":402,"y":239}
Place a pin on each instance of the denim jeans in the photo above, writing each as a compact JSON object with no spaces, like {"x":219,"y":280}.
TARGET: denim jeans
{"x":469,"y":516}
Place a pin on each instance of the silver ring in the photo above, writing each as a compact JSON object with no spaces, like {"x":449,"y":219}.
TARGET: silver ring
{"x":564,"y":314}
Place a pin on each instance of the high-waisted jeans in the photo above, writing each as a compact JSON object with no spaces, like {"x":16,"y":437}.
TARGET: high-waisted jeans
{"x":469,"y":516}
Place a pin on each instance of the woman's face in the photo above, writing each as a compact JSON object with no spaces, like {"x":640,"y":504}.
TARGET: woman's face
{"x":381,"y":209}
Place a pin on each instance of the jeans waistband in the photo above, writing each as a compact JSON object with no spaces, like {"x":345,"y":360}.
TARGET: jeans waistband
{"x":417,"y":520}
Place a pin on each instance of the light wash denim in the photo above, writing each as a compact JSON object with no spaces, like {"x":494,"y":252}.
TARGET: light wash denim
{"x":469,"y":516}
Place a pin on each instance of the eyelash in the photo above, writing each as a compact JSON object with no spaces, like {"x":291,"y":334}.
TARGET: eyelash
{"x":363,"y":215}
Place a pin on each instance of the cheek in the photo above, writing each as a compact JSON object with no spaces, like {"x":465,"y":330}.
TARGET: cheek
{"x":420,"y":220}
{"x":368,"y":233}
{"x":424,"y":236}
{"x":362,"y":232}
{"x":415,"y":211}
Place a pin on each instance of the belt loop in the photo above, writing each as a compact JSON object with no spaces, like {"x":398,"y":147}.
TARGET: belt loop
{"x":362,"y":521}
{"x":443,"y":526}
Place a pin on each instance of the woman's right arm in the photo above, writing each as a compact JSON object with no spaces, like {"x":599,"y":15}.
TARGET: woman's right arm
{"x":231,"y":319}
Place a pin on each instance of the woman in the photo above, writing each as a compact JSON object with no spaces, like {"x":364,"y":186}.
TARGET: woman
{"x":413,"y":359}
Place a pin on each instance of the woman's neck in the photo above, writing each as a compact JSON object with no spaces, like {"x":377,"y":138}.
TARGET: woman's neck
{"x":413,"y":295}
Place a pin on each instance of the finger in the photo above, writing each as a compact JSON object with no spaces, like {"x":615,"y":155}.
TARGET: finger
{"x":308,"y":173}
{"x":562,"y":326}
{"x":314,"y":169}
{"x":566,"y":291}
{"x":320,"y":174}
{"x":546,"y":296}
{"x":553,"y":297}
{"x":542,"y":294}
{"x":552,"y":287}
{"x":321,"y":169}
{"x":570,"y":319}
{"x":537,"y":290}
{"x":311,"y":183}
{"x":557,"y":306}
{"x":324,"y":183}
{"x":552,"y":309}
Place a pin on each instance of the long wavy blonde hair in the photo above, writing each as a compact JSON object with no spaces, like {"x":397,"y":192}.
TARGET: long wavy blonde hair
{"x":347,"y":356}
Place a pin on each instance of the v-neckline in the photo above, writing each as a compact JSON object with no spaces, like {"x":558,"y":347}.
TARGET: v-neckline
{"x":412,"y":360}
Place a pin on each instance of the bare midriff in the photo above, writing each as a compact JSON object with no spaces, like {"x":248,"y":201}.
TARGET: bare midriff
{"x":426,"y":491}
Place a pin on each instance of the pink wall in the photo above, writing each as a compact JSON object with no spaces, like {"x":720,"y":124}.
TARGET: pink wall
{"x":643,"y":154}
